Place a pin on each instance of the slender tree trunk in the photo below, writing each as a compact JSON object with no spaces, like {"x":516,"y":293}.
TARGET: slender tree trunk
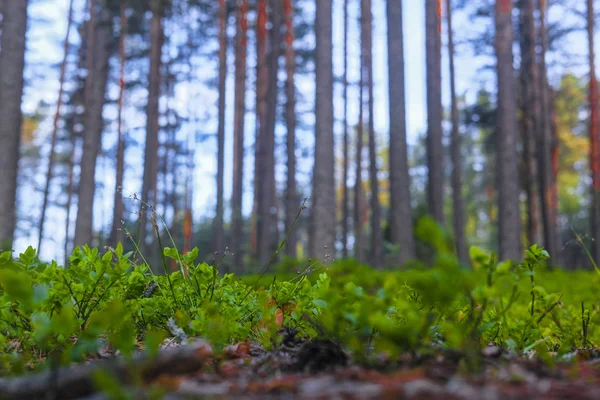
{"x":531,"y":118}
{"x":149,"y":184}
{"x":57,"y":115}
{"x":435,"y":148}
{"x":98,"y":61}
{"x":401,"y":226}
{"x":594,"y":134}
{"x":376,"y":234}
{"x":554,"y":188}
{"x":345,"y":191}
{"x":238,"y":135}
{"x":291,"y":199}
{"x":268,"y":214}
{"x":12,"y":64}
{"x":545,"y":145}
{"x":262,"y":78}
{"x":458,"y":204}
{"x":219,"y":230}
{"x":359,"y":204}
{"x":509,"y":218}
{"x":116,"y":234}
{"x":322,"y":226}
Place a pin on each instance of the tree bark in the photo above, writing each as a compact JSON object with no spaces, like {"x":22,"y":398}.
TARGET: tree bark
{"x":345,"y":191}
{"x":238,"y":135}
{"x":545,"y":146}
{"x":116,"y":235}
{"x":401,"y":225}
{"x":376,"y":234}
{"x":98,"y":63}
{"x":149,"y":184}
{"x":54,"y":135}
{"x":594,"y":134}
{"x":219,"y":242}
{"x":531,"y":119}
{"x":292,"y":203}
{"x":435,"y":148}
{"x":322,"y":224}
{"x":262,"y":79}
{"x":268,"y":232}
{"x":509,"y":218}
{"x":12,"y":64}
{"x":458,"y":205}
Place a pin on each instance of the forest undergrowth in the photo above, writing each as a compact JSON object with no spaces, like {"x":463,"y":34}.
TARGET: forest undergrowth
{"x":106,"y":304}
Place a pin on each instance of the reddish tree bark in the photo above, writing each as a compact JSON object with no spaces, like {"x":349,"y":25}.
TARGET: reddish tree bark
{"x":593,"y":133}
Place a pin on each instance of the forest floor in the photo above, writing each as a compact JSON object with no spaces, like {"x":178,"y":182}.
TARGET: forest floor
{"x":300,"y":369}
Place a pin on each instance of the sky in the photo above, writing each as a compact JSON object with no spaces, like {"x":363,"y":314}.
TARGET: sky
{"x":45,"y":46}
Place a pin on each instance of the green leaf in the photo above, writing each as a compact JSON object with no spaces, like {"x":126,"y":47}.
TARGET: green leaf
{"x":320,"y":303}
{"x":17,"y":285}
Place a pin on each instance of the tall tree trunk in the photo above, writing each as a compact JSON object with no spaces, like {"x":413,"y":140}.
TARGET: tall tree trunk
{"x":116,"y":234}
{"x":401,"y":226}
{"x":149,"y":184}
{"x":268,"y":212}
{"x":219,"y":230}
{"x":555,"y":165}
{"x":262,"y":78}
{"x":322,"y":226}
{"x":12,"y":64}
{"x":458,"y":205}
{"x":98,"y":61}
{"x":359,"y":203}
{"x":376,"y":234}
{"x":54,"y":135}
{"x":545,"y":145}
{"x":435,"y":148}
{"x":531,"y":118}
{"x":345,"y":191}
{"x":238,"y":135}
{"x":509,"y":218}
{"x":291,"y":200}
{"x":594,"y":134}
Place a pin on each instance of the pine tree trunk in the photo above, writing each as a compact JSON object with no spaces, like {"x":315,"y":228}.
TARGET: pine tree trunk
{"x":98,"y":61}
{"x":268,"y":233}
{"x":116,"y":235}
{"x":376,"y":234}
{"x":359,"y":203}
{"x":238,"y":135}
{"x":435,"y":148}
{"x":12,"y":64}
{"x":401,"y":225}
{"x":149,"y":184}
{"x":291,"y":201}
{"x":545,"y":145}
{"x":345,"y":191}
{"x":219,"y":230}
{"x":54,"y":135}
{"x":509,"y":218}
{"x":322,"y":224}
{"x":594,"y":133}
{"x":531,"y":119}
{"x":458,"y":205}
{"x":262,"y":78}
